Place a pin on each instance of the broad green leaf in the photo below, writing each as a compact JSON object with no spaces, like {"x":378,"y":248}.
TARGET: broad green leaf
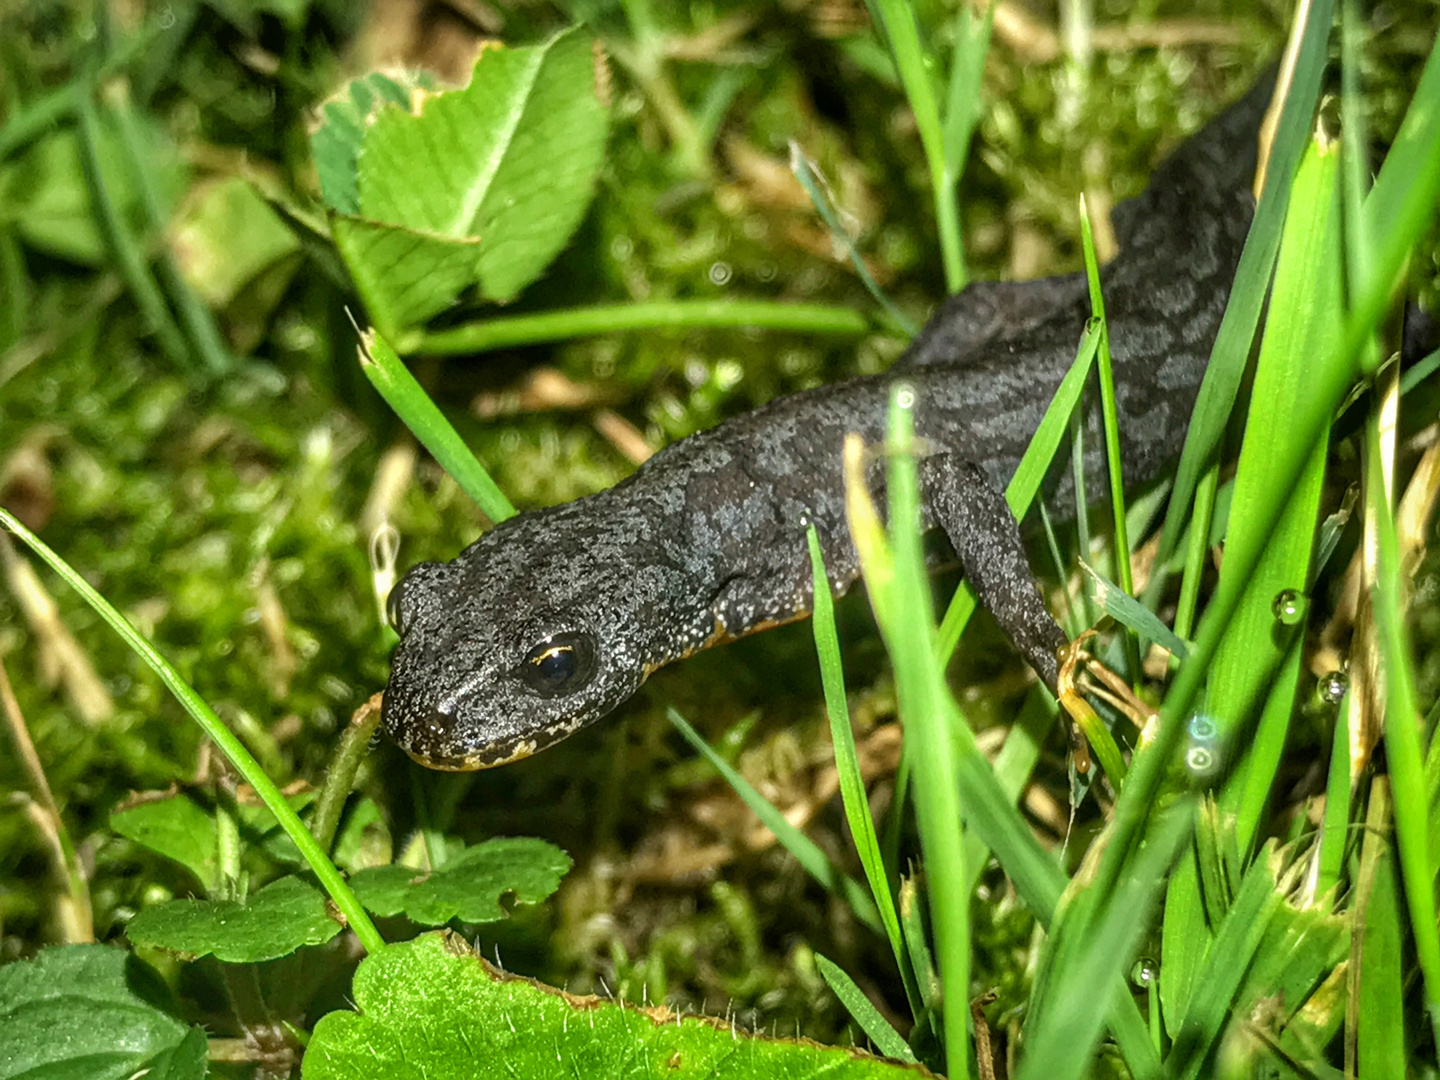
{"x":227,"y":237}
{"x":534,"y":184}
{"x":469,"y":886}
{"x":176,"y":828}
{"x":404,"y":275}
{"x":431,"y":1009}
{"x":274,"y":922}
{"x":480,"y":186}
{"x":90,"y":1012}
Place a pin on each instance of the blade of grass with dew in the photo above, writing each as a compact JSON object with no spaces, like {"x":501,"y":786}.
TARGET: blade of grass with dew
{"x":807,"y":853}
{"x":1304,"y":313}
{"x":1416,"y":196}
{"x":389,"y":375}
{"x":806,"y":173}
{"x":1231,"y":351}
{"x":330,"y":878}
{"x":1029,"y":475}
{"x":886,"y":1039}
{"x":1380,"y":1008}
{"x":897,"y":19}
{"x":903,"y":611}
{"x":847,"y":766}
{"x":510,"y":330}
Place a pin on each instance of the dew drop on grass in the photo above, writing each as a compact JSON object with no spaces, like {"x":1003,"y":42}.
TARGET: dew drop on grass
{"x":905,"y":397}
{"x":1146,"y":973}
{"x":1290,"y":606}
{"x":1200,"y":760}
{"x":1332,"y":687}
{"x":1202,"y":728}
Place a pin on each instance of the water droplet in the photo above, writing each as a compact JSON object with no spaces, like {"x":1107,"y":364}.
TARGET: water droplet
{"x":905,"y":397}
{"x":1290,"y":606}
{"x":1332,"y":687}
{"x":1146,"y":973}
{"x":1200,"y":760}
{"x":720,"y":273}
{"x":1202,"y":728}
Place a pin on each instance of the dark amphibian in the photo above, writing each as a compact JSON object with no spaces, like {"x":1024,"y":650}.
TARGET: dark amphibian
{"x":553,"y":618}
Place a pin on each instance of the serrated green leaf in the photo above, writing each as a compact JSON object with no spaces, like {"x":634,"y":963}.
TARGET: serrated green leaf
{"x":178,"y":829}
{"x":274,"y":922}
{"x":88,"y":1012}
{"x":469,"y":886}
{"x":431,"y":1009}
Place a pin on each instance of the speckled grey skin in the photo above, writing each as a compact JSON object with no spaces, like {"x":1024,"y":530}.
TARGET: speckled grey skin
{"x":706,"y":541}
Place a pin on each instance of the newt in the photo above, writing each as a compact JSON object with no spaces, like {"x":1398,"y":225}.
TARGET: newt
{"x":553,"y":618}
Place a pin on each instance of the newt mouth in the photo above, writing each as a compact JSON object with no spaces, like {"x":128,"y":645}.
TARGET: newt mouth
{"x":488,"y":758}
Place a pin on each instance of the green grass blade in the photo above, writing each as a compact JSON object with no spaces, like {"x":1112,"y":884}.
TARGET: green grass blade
{"x":962,"y":98}
{"x":1378,"y":918}
{"x":807,"y":853}
{"x":903,"y":36}
{"x":1130,"y":613}
{"x":886,"y":1039}
{"x":1335,"y":824}
{"x":130,"y":261}
{"x":805,"y":172}
{"x":330,"y":878}
{"x":402,"y":393}
{"x":1029,"y":474}
{"x":1231,"y":350}
{"x":1219,"y":980}
{"x":507,"y":331}
{"x":847,"y":768}
{"x":1095,"y":950}
{"x":922,"y":695}
{"x":1403,"y":752}
{"x":1108,"y":412}
{"x":1304,"y":313}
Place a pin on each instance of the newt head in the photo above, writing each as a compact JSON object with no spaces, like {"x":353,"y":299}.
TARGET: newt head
{"x":506,"y":651}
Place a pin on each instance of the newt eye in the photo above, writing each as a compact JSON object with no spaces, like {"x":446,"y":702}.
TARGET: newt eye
{"x":561,"y":664}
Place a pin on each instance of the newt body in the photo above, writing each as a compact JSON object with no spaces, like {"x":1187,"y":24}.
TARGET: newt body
{"x":553,"y":618}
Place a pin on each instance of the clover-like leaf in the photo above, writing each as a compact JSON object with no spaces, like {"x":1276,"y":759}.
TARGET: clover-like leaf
{"x":474,"y":187}
{"x":274,"y":922}
{"x":469,"y":886}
